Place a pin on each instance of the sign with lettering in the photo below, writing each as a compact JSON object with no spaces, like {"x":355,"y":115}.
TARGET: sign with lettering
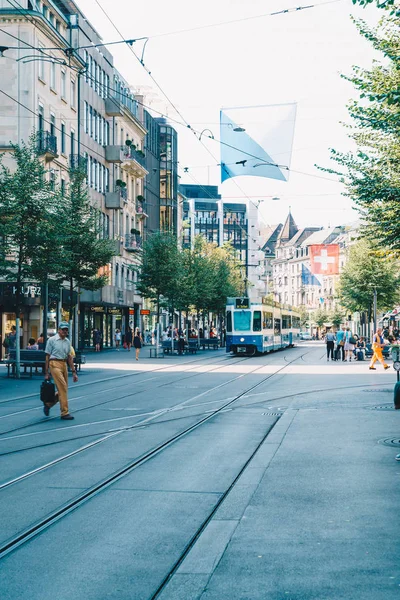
{"x":117,"y":312}
{"x":98,"y":309}
{"x":242,"y":303}
{"x":144,"y":311}
{"x":131,"y":311}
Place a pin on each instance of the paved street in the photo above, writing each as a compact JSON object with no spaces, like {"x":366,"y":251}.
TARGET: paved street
{"x":203,"y":476}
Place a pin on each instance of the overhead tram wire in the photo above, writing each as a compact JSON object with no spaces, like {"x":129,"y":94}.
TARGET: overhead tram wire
{"x":185,"y":123}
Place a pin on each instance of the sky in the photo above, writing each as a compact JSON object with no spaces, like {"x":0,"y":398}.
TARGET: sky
{"x":292,"y":57}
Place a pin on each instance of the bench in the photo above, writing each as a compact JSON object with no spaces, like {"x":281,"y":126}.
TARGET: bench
{"x":190,"y":347}
{"x":369,"y":351}
{"x":36,"y":359}
{"x":209,"y":343}
{"x":29,"y":359}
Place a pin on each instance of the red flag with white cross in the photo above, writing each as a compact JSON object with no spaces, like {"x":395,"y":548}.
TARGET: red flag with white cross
{"x":324,"y":259}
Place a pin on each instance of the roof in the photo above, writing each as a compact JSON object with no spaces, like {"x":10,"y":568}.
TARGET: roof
{"x":288,"y":230}
{"x":323,"y":236}
{"x":300,"y":236}
{"x":271,"y":234}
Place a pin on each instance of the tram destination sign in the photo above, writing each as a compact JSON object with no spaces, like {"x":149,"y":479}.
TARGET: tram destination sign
{"x":242,"y":303}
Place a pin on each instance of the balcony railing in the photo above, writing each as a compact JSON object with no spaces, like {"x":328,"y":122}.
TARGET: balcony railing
{"x":77,"y":161}
{"x":133,"y":242}
{"x":116,"y":198}
{"x":47,"y":145}
{"x":133,"y":154}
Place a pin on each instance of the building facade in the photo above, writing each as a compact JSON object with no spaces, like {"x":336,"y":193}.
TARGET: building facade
{"x":84,"y":113}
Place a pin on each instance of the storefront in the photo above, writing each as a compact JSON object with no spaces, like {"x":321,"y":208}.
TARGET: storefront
{"x":105,"y":318}
{"x":30,"y":315}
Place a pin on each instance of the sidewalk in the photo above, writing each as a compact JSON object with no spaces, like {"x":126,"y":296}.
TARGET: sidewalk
{"x":313,"y":517}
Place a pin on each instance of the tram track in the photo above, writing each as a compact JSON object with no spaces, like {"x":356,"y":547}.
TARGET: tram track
{"x":51,"y":518}
{"x":104,"y":391}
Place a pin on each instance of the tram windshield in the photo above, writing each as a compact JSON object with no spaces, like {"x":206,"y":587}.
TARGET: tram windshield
{"x":257,"y":320}
{"x":242,"y":320}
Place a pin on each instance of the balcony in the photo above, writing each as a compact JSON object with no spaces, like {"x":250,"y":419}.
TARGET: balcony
{"x":113,"y":107}
{"x":77,"y":161}
{"x":141,"y":211}
{"x":115,"y":200}
{"x":114,"y":154}
{"x":133,"y":242}
{"x":134,"y":161}
{"x":47,"y":145}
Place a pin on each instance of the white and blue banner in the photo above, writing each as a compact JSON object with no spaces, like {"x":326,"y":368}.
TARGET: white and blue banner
{"x":257,"y":141}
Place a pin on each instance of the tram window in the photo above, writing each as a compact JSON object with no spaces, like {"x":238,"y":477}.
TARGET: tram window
{"x":286,"y":322}
{"x":277,"y":326}
{"x":296,"y":322}
{"x":257,"y":320}
{"x":242,"y":320}
{"x":267,"y":320}
{"x":229,"y":321}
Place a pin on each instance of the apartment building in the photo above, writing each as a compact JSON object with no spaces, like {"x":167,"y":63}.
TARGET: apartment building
{"x":86,"y":114}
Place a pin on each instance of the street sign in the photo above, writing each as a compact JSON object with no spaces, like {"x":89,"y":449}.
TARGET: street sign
{"x":242,"y":303}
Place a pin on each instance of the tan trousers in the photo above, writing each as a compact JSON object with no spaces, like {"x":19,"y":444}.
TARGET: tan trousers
{"x":59,"y":372}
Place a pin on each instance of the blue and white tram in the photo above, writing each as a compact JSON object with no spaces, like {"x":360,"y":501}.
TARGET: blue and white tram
{"x":259,"y":328}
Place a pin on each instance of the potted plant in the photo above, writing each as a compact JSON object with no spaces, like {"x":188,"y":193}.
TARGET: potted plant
{"x":140,"y":198}
{"x":128,"y":142}
{"x":135,"y":231}
{"x":120,"y":183}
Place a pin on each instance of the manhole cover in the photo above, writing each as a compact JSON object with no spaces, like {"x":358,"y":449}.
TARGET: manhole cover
{"x":391,"y":442}
{"x":381,"y":407}
{"x":374,"y":390}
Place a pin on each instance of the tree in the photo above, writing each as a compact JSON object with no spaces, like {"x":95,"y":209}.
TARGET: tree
{"x":372,"y":174}
{"x":364,"y":272}
{"x":336,"y":317}
{"x":159,"y":269}
{"x":85,"y":250}
{"x":320,"y":316}
{"x":29,"y":212}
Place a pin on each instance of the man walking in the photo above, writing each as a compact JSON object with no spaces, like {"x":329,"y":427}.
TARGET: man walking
{"x":330,"y":344}
{"x":340,"y":343}
{"x":58,"y":354}
{"x":378,"y":344}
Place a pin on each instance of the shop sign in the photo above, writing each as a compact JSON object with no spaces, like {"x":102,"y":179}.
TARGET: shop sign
{"x":114,"y":311}
{"x":29,"y":290}
{"x":131,"y":311}
{"x":98,"y":309}
{"x":144,"y":311}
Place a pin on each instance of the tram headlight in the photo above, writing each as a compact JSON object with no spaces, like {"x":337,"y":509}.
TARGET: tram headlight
{"x":242,"y":339}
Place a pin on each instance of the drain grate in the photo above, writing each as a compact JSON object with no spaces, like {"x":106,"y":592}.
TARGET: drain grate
{"x":393,"y":442}
{"x":375,"y":390}
{"x":381,"y":407}
{"x":271,"y":414}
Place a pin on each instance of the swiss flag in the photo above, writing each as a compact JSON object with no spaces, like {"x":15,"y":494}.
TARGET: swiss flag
{"x":324,"y":259}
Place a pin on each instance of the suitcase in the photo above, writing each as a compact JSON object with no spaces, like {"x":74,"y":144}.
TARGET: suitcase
{"x":47,"y":392}
{"x":360,"y":355}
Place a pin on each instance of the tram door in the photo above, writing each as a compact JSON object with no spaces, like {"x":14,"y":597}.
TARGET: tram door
{"x":277,"y":333}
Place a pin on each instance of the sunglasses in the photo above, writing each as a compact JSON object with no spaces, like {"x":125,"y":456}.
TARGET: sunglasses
{"x":64,"y":329}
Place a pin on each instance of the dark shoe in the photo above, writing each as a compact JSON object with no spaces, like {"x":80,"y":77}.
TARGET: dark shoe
{"x":67,"y":417}
{"x":46,"y":410}
{"x":386,"y":367}
{"x":372,"y":369}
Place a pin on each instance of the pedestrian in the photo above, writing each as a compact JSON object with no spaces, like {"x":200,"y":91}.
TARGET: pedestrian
{"x":348,"y":344}
{"x":360,"y":349}
{"x":128,"y":339}
{"x":40,"y":341}
{"x":340,"y":341}
{"x":58,"y":354}
{"x":12,"y":338}
{"x":137,"y":342}
{"x":97,"y":336}
{"x":330,"y":344}
{"x":181,"y":341}
{"x":378,"y":344}
{"x":32,"y":345}
{"x":117,"y":338}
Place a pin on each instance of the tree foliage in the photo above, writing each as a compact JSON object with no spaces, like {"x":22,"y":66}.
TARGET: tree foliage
{"x":320,"y":316}
{"x":372,"y":174}
{"x":364,"y":272}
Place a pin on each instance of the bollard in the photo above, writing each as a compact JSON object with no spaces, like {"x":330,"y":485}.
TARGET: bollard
{"x":395,"y":351}
{"x":397,"y":396}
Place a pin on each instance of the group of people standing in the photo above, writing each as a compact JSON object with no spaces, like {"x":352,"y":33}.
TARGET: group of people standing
{"x":344,"y":345}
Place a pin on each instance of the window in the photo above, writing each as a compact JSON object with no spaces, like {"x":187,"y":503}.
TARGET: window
{"x":62,"y":187}
{"x":62,"y":137}
{"x":286,"y":322}
{"x":45,"y":11}
{"x":73,"y":95}
{"x":277,"y":327}
{"x":41,"y":64}
{"x":40,"y":118}
{"x":58,"y":25}
{"x":53,"y":75}
{"x":89,"y":171}
{"x":107,"y":179}
{"x":86,"y":59}
{"x":52,"y":124}
{"x":242,"y":320}
{"x":107,"y":85}
{"x":63,"y":85}
{"x":85,"y":117}
{"x":257,"y":320}
{"x":51,"y":18}
{"x":267,"y":320}
{"x":72,"y":141}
